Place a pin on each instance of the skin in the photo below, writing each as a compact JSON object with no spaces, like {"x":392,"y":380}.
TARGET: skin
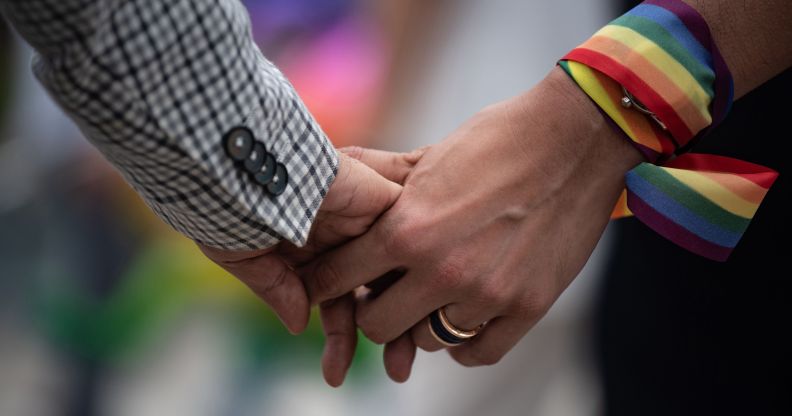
{"x":754,"y":37}
{"x":477,"y":226}
{"x":478,"y":229}
{"x":469,"y":212}
{"x":354,"y":201}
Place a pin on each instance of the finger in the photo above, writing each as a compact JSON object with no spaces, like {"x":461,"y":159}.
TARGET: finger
{"x":422,"y":337}
{"x":270,"y":279}
{"x":495,"y":340}
{"x":379,"y":285}
{"x":346,"y":267}
{"x":466,"y":316}
{"x":391,"y":165}
{"x":356,"y":197}
{"x":338,"y":324}
{"x":398,"y":308}
{"x":398,"y":357}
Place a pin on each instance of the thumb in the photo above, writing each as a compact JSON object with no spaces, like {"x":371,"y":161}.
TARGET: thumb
{"x":271,"y":279}
{"x":393,"y":166}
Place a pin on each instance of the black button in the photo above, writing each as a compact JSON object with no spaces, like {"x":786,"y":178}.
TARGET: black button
{"x":267,"y":171}
{"x":279,"y":182}
{"x":238,"y":143}
{"x":255,"y":159}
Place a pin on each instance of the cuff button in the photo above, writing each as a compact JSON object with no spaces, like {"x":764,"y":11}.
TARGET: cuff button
{"x":238,"y":143}
{"x":267,"y":171}
{"x":279,"y":182}
{"x":255,"y":159}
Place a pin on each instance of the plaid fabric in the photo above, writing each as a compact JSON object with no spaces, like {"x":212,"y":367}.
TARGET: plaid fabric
{"x":156,"y":84}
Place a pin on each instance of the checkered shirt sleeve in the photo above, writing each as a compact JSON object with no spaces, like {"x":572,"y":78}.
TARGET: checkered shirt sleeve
{"x":155,"y":85}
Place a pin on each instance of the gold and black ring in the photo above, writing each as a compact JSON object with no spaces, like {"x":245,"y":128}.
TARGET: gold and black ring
{"x":446,"y":333}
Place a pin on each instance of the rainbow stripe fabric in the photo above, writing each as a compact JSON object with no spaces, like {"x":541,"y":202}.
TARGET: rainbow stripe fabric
{"x":662,"y":52}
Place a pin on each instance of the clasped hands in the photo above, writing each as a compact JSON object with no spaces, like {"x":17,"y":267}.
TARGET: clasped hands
{"x":492,"y":223}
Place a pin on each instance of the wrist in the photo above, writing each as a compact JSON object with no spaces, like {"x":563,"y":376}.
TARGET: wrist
{"x":562,"y":135}
{"x":607,"y":147}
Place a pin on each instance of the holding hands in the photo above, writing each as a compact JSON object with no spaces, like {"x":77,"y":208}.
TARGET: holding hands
{"x":354,"y":201}
{"x":465,"y":244}
{"x":476,"y":230}
{"x":492,"y":224}
{"x":469,"y":243}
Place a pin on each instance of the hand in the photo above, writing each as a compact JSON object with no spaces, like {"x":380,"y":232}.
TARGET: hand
{"x":355,"y":199}
{"x":493,"y":223}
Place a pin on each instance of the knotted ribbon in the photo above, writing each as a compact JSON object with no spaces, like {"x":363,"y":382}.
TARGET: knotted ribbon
{"x":663,"y":53}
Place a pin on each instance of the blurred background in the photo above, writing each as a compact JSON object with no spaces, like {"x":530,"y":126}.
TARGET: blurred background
{"x":105,"y":311}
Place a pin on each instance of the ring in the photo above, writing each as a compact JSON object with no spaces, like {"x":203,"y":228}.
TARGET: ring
{"x":446,"y":333}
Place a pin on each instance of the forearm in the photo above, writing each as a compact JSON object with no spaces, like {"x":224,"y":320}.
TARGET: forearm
{"x":657,"y":73}
{"x":158,"y":85}
{"x":754,"y":37}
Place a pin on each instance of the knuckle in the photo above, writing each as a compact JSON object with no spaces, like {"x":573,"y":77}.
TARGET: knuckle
{"x":277,"y":279}
{"x":400,"y":237}
{"x":408,"y":231}
{"x":263,"y":285}
{"x":491,"y":293}
{"x":326,"y":281}
{"x":339,"y":336}
{"x":534,"y":305}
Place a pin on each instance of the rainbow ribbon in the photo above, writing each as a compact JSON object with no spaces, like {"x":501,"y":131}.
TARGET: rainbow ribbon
{"x":662,"y":52}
